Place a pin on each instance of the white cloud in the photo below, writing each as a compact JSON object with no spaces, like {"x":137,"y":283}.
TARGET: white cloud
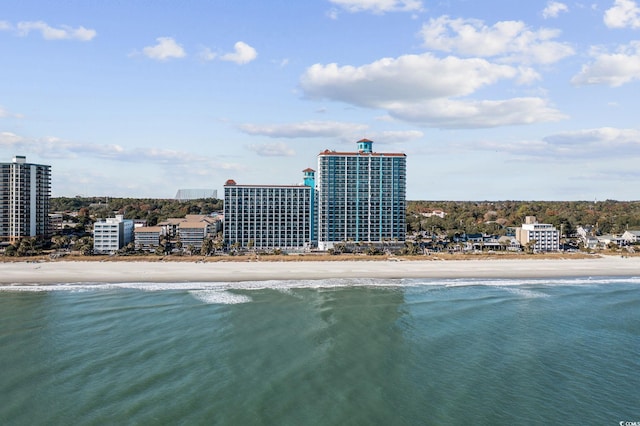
{"x":469,"y":114}
{"x":395,"y":136}
{"x":553,"y":9}
{"x":166,"y":48}
{"x":508,"y":41}
{"x":527,"y":75}
{"x":598,"y":143}
{"x":420,"y":88}
{"x":277,"y":149}
{"x":307,"y":129}
{"x":347,"y":132}
{"x":612,"y":69}
{"x":332,"y":14}
{"x":406,"y":78}
{"x":4,"y":113}
{"x":623,"y":14}
{"x":54,"y":147}
{"x":10,"y":139}
{"x":604,"y":141}
{"x":207,"y":54}
{"x":243,"y":54}
{"x":48,"y":32}
{"x":379,"y":6}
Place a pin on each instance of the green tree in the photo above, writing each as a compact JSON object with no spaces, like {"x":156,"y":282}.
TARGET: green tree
{"x":529,"y":246}
{"x":410,"y":248}
{"x":218,"y":242}
{"x":128,"y":249}
{"x":26,"y":246}
{"x":235,"y":247}
{"x":339,"y":248}
{"x":84,"y":245}
{"x":207,"y":247}
{"x":60,"y":241}
{"x":372,"y":250}
{"x":11,"y":251}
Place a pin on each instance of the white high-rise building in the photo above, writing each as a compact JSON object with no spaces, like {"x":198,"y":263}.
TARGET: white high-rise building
{"x":111,"y":234}
{"x":361,"y":196}
{"x":25,"y":190}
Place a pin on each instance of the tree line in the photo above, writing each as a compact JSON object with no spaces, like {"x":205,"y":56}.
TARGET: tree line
{"x":461,"y":217}
{"x":152,"y":210}
{"x":492,"y":217}
{"x":495,"y":217}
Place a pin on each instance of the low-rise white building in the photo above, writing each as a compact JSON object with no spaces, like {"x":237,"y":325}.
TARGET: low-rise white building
{"x":604,"y":241}
{"x":111,"y":234}
{"x":631,"y":237}
{"x":55,"y":223}
{"x":510,"y":243}
{"x":544,"y":236}
{"x":437,"y":213}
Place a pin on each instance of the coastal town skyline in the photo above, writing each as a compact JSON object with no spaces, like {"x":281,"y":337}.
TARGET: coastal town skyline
{"x":526,"y":101}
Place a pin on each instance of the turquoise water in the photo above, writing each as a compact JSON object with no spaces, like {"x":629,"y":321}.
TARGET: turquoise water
{"x":339,"y":352}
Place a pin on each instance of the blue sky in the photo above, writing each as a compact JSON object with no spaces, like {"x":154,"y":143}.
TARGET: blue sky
{"x":490,"y":100}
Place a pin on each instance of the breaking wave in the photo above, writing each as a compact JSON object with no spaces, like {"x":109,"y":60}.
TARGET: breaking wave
{"x":219,"y":297}
{"x":220,"y":290}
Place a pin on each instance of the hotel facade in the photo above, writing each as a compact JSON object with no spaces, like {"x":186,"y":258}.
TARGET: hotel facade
{"x":355,"y":197}
{"x":543,"y":237}
{"x":361,"y":196}
{"x":25,"y":191}
{"x":270,"y":216}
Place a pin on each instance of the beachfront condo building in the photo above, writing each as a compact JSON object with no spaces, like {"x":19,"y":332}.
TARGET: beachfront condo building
{"x":270,"y":216}
{"x":541,"y":237}
{"x":147,"y":238}
{"x":361,"y":197}
{"x":192,"y":233}
{"x":25,"y":190}
{"x":111,"y":234}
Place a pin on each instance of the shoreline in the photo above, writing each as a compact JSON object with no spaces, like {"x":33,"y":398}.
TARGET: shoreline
{"x":56,"y":272}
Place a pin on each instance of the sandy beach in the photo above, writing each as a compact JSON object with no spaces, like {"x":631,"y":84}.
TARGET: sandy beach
{"x":119,"y":272}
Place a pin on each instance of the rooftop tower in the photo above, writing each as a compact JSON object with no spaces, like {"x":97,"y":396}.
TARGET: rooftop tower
{"x":365,"y":146}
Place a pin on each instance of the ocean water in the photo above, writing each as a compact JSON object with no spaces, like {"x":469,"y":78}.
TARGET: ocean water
{"x":337,"y":352}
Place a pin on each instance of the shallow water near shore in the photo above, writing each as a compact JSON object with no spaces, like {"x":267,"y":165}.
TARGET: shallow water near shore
{"x":322,"y":352}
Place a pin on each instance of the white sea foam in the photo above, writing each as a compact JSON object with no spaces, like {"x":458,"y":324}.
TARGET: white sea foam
{"x":523,"y":292}
{"x":286,"y":286}
{"x":219,"y":297}
{"x":502,"y":282}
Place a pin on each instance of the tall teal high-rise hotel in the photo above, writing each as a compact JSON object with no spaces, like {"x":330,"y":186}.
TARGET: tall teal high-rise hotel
{"x":357,"y":197}
{"x":361,"y":196}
